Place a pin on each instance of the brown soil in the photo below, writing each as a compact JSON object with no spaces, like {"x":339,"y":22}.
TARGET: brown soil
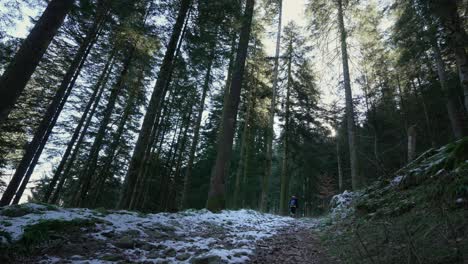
{"x":293,"y":245}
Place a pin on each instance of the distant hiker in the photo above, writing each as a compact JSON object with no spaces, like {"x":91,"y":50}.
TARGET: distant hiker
{"x":293,"y":205}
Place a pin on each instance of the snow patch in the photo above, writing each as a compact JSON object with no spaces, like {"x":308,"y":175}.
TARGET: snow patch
{"x":396,"y":181}
{"x":230,"y":235}
{"x":341,"y":205}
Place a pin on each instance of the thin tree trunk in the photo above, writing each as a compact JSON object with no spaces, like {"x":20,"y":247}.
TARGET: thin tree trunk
{"x":155,"y":151}
{"x":144,"y":182}
{"x":34,"y":149}
{"x":144,"y":138}
{"x":69,"y":165}
{"x":245,"y":169}
{"x":402,"y":104}
{"x":355,"y":177}
{"x":270,"y":129}
{"x":116,"y":139}
{"x":338,"y":159}
{"x":26,"y":59}
{"x":216,"y":197}
{"x":163,"y":117}
{"x":411,"y":143}
{"x":284,"y":189}
{"x":426,"y":112}
{"x":90,"y":167}
{"x":166,"y":177}
{"x":239,"y":187}
{"x":177,"y":179}
{"x":455,"y":116}
{"x":98,"y":88}
{"x":196,"y":132}
{"x":155,"y":130}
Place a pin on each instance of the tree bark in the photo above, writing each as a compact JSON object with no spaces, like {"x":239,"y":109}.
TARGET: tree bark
{"x":284,"y":189}
{"x":25,"y":61}
{"x":338,"y":159}
{"x":216,"y":197}
{"x":455,"y":116}
{"x":411,"y":143}
{"x":144,"y":138}
{"x":270,"y":129}
{"x":355,"y":177}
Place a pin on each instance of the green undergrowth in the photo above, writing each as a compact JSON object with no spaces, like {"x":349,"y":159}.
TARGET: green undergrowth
{"x":423,"y":219}
{"x":19,"y":210}
{"x":45,"y":230}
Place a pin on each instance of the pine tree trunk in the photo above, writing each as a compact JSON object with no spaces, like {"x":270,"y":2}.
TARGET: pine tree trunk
{"x":25,"y":61}
{"x":411,"y":143}
{"x":144,"y":138}
{"x":270,"y":129}
{"x":165,"y":179}
{"x":105,"y":170}
{"x":138,"y":197}
{"x":35,"y":147}
{"x":284,"y":189}
{"x":90,"y":167}
{"x":239,"y":187}
{"x":244,"y":186}
{"x":447,"y":11}
{"x":177,"y":179}
{"x":455,"y":116}
{"x":196,"y":132}
{"x":216,"y":197}
{"x":69,"y":164}
{"x":98,"y":88}
{"x":163,"y":117}
{"x":419,"y":92}
{"x":355,"y":177}
{"x":155,"y":130}
{"x":338,"y":159}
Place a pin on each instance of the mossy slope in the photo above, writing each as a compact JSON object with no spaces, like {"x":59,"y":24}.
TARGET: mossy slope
{"x":419,"y":217}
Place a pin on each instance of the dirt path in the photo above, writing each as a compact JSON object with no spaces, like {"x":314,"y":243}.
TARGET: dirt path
{"x":292,"y":245}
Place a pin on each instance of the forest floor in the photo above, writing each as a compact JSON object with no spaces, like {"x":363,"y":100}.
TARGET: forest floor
{"x":35,"y":233}
{"x":294,"y":244}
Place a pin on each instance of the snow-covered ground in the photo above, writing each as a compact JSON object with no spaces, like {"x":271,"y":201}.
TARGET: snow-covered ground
{"x":185,"y":237}
{"x":341,"y":205}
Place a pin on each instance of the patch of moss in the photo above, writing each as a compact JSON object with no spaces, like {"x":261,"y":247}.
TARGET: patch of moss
{"x":49,"y":207}
{"x":142,"y":215}
{"x":101,"y":211}
{"x":458,"y":155}
{"x":17,"y":211}
{"x":5,"y":223}
{"x":111,"y":258}
{"x":424,"y":220}
{"x":43,"y":230}
{"x":420,"y":237}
